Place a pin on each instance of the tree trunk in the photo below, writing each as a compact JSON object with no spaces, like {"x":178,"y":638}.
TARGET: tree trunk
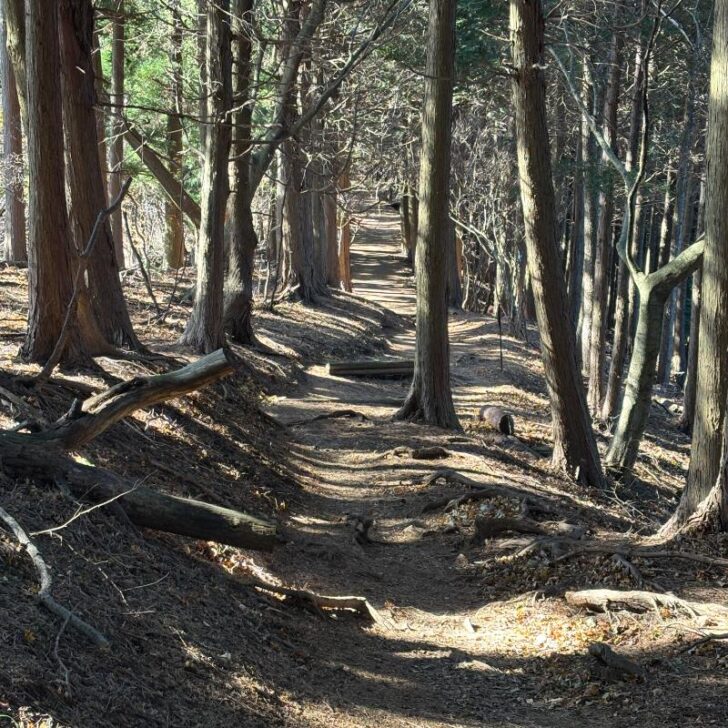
{"x":624,"y":282}
{"x":85,"y":180}
{"x":116,"y":147}
{"x":712,"y":379}
{"x":204,"y":332}
{"x":15,"y":242}
{"x":50,"y":251}
{"x":332,"y":244}
{"x":589,"y":161}
{"x":575,"y":268}
{"x":430,"y":398}
{"x":604,"y":236}
{"x":688,"y":413}
{"x":575,"y":450}
{"x":174,"y":247}
{"x":653,"y":290}
{"x":241,"y":258}
{"x":344,"y":225}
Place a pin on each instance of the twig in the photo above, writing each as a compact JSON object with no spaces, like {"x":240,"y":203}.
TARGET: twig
{"x":86,"y":511}
{"x":83,"y":259}
{"x":44,"y":595}
{"x":142,"y":268}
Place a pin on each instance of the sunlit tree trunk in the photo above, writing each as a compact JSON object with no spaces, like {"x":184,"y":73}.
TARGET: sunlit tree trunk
{"x":15,"y":242}
{"x":204,"y":332}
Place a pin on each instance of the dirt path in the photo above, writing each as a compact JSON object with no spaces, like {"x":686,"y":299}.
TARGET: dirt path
{"x":436,"y":663}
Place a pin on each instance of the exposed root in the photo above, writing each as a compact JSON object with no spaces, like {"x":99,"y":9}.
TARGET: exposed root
{"x":490,"y":527}
{"x":605,"y":600}
{"x":336,"y":414}
{"x":614,"y":665}
{"x":321,"y":602}
{"x":482,"y":490}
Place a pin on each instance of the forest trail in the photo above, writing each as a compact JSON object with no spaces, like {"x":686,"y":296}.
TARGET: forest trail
{"x":439,"y":659}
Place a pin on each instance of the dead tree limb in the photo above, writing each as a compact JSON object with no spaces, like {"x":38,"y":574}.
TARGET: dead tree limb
{"x":44,"y":593}
{"x":90,"y":418}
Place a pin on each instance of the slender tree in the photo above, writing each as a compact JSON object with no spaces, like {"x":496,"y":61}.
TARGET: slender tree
{"x":430,"y":398}
{"x":116,"y":146}
{"x":204,"y":332}
{"x":15,"y":243}
{"x":575,"y":450}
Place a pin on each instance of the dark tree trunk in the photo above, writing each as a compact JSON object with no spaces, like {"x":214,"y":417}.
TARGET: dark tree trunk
{"x":50,"y":251}
{"x":85,"y":180}
{"x":575,"y":450}
{"x":15,"y":242}
{"x":430,"y":398}
{"x":204,"y":331}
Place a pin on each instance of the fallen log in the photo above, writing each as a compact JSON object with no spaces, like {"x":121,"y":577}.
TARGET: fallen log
{"x":497,"y":419}
{"x":143,"y":506}
{"x":604,"y":600}
{"x":373,"y":368}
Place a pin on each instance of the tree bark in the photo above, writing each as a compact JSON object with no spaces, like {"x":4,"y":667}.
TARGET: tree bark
{"x":430,"y":398}
{"x":85,"y":180}
{"x":604,"y":235}
{"x":174,"y":244}
{"x":712,"y":378}
{"x":205,"y":332}
{"x":116,"y":147}
{"x":344,"y":224}
{"x":575,"y":450}
{"x":241,"y":258}
{"x":50,"y":251}
{"x":15,"y":241}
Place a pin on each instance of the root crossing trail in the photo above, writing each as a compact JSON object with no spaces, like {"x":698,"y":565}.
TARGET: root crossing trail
{"x":445,"y":655}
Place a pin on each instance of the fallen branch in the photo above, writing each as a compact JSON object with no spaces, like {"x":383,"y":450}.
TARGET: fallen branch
{"x":44,"y":593}
{"x":90,"y":418}
{"x":605,"y":600}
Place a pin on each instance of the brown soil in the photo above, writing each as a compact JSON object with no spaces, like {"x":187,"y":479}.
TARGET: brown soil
{"x":470,"y":634}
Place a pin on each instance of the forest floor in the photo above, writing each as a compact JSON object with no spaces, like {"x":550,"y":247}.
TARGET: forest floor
{"x":469,"y":631}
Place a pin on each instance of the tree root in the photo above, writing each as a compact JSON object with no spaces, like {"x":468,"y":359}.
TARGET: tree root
{"x":44,"y":593}
{"x":604,"y":600}
{"x":614,"y":665}
{"x":320,"y":602}
{"x":489,"y":527}
{"x":482,"y":490}
{"x":336,"y":414}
